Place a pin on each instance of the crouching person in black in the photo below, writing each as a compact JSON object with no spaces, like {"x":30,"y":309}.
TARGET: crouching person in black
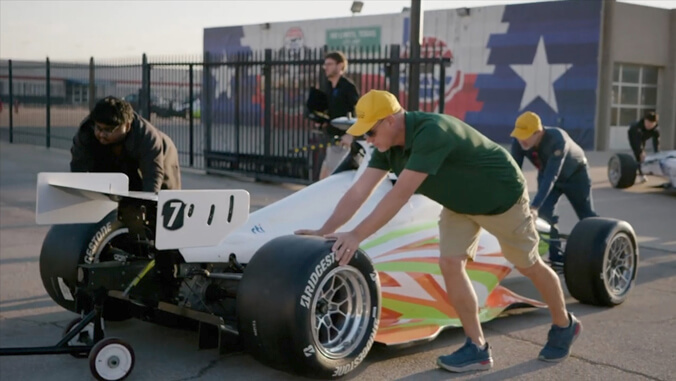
{"x":113,"y":138}
{"x":639,"y":132}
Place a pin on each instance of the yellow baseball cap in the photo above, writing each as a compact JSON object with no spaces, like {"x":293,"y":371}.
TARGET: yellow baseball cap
{"x":373,"y":106}
{"x":526,"y":125}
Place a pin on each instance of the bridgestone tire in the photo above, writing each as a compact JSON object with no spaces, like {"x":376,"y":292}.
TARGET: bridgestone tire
{"x":283,"y":301}
{"x":601,"y":261}
{"x":65,"y":247}
{"x":622,"y":169}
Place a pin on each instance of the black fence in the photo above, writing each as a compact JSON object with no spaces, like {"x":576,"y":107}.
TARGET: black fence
{"x":238,"y":113}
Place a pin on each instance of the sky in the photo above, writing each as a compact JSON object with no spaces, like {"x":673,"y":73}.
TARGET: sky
{"x":74,"y":30}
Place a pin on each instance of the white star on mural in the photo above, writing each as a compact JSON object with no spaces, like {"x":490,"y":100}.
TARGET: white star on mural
{"x":223,"y":76}
{"x":540,"y":77}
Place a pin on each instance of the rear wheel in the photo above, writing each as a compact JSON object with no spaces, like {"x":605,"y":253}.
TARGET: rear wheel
{"x":622,"y":169}
{"x":67,"y":246}
{"x":601,"y":261}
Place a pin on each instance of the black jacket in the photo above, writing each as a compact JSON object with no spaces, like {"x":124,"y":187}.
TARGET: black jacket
{"x":147,"y":156}
{"x":638,"y":135}
{"x":557,"y":158}
{"x":341,"y":100}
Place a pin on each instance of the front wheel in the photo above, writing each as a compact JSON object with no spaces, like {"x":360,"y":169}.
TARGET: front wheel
{"x":300,"y":311}
{"x":601,"y":261}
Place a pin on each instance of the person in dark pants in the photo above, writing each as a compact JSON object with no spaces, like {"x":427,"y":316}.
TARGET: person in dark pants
{"x":639,"y":132}
{"x":562,"y":170}
{"x":342,"y":96}
{"x":113,"y":138}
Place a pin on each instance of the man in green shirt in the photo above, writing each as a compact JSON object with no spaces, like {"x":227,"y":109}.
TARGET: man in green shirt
{"x":478,"y":184}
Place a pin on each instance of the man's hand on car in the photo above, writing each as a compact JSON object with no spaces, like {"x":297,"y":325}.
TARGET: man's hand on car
{"x":345,"y":246}
{"x":309,"y":232}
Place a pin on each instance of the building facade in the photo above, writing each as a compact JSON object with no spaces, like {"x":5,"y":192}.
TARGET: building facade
{"x":591,"y":67}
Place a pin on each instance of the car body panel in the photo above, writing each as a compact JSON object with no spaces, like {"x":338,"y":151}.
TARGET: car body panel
{"x":661,"y":164}
{"x":405,"y":253}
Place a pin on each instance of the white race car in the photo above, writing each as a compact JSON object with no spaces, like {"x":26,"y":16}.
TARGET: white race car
{"x":248,"y":280}
{"x":622,"y":168}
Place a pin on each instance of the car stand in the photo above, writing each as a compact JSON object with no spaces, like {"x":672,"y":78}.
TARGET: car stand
{"x":64,"y":346}
{"x":109,"y":358}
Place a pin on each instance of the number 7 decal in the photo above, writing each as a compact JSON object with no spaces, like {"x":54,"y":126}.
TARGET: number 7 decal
{"x":172,"y":213}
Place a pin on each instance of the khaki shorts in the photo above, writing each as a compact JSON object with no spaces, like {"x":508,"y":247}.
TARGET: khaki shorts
{"x":514,"y":229}
{"x":334,"y":156}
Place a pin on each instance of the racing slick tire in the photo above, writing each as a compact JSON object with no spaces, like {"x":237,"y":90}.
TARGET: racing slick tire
{"x":299,"y":311}
{"x":622,"y":169}
{"x":67,"y":246}
{"x":600,"y":261}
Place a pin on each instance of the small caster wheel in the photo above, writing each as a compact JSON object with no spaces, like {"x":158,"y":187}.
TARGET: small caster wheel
{"x":111,"y":359}
{"x":85,"y":337}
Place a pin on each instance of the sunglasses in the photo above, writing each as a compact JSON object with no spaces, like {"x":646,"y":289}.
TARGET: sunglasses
{"x":106,"y":131}
{"x":372,"y":132}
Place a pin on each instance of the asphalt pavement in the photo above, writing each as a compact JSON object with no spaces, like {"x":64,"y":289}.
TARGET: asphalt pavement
{"x":634,"y":341}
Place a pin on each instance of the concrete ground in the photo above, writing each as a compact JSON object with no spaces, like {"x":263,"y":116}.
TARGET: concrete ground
{"x":634,"y":341}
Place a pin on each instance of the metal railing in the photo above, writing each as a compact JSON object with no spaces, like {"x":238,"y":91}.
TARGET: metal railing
{"x":238,"y":113}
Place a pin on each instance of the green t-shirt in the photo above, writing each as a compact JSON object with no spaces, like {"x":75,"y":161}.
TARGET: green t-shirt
{"x":468,"y":173}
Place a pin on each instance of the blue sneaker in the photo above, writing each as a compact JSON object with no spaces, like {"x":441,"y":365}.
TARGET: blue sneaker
{"x":468,"y":358}
{"x":559,"y":341}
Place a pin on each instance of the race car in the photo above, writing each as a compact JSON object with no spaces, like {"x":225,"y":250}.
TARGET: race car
{"x":622,"y":169}
{"x":247,"y":280}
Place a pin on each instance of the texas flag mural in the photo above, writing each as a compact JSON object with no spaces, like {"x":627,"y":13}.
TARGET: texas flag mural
{"x":540,"y":57}
{"x":545,"y":62}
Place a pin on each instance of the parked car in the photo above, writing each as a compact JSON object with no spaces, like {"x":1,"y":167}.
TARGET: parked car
{"x":161,"y":107}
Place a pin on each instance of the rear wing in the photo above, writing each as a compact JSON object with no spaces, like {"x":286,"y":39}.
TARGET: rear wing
{"x":185,"y":218}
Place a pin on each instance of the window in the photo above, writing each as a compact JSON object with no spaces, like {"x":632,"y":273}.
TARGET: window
{"x":634,"y":90}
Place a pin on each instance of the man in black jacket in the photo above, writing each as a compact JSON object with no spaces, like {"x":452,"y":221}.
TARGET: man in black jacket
{"x":342,"y":96}
{"x":639,"y":133}
{"x":113,"y":138}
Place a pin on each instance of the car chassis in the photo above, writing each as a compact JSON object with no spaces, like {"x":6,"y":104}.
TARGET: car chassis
{"x":198,"y":256}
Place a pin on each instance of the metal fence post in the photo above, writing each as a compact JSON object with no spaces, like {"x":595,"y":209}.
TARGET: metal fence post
{"x":395,"y":70}
{"x":191,"y":95}
{"x":92,"y":84}
{"x":145,"y":85}
{"x":206,"y":106}
{"x":267,"y":74}
{"x":442,"y":85}
{"x":238,"y":78}
{"x":48,"y":119}
{"x":414,"y":55}
{"x":11,"y":105}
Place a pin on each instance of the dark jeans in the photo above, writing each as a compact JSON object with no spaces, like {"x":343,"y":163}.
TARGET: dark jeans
{"x":577,"y":189}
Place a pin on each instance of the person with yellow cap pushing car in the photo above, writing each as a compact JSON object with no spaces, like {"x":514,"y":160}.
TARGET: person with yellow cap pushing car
{"x":562,"y":170}
{"x":479,"y":186}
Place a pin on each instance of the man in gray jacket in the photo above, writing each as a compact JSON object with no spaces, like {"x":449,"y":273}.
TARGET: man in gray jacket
{"x":562,"y":170}
{"x":113,"y":138}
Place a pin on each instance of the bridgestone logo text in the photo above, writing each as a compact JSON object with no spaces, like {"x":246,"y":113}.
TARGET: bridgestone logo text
{"x":345,"y":369}
{"x":96,"y":241}
{"x":324,"y":264}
